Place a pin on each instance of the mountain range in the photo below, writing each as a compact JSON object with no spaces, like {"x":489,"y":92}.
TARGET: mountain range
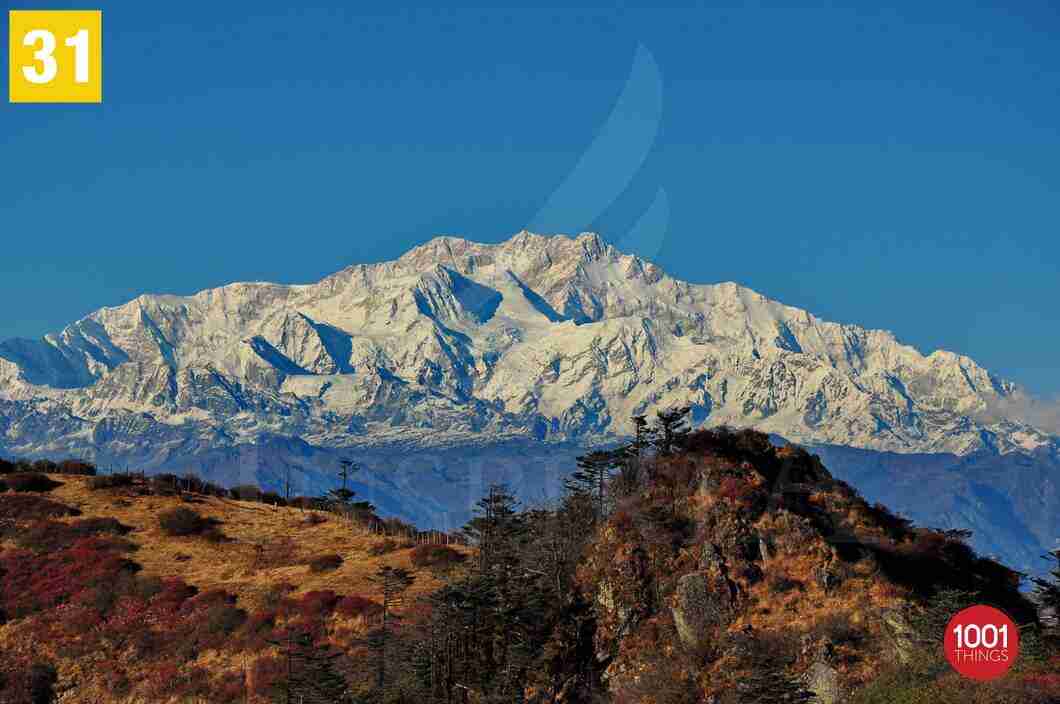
{"x":460,"y":363}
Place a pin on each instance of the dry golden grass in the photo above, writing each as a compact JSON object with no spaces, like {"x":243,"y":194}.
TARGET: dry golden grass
{"x":259,"y":540}
{"x":264,"y":547}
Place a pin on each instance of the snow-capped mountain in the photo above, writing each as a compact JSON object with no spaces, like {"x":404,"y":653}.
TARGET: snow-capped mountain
{"x":547,"y":337}
{"x":539,"y":339}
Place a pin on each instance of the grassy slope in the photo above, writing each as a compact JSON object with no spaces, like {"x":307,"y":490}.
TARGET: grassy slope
{"x":235,"y":565}
{"x":265,"y":546}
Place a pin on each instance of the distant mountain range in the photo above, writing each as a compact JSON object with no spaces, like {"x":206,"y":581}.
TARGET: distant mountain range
{"x":460,"y":362}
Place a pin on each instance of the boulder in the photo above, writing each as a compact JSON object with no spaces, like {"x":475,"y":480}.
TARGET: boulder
{"x":902,"y":635}
{"x":822,"y":680}
{"x":702,"y":603}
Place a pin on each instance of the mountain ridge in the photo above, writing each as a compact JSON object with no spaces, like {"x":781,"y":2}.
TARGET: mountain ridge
{"x":461,"y":363}
{"x":459,"y":326}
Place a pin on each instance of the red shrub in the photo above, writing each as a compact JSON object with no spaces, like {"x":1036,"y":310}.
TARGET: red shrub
{"x":201,"y":622}
{"x":173,"y":594}
{"x":257,"y":630}
{"x":20,"y":507}
{"x":736,"y":490}
{"x":88,"y":600}
{"x":32,"y":583}
{"x":26,"y":683}
{"x":170,"y":680}
{"x":267,"y":677}
{"x":317,"y":605}
{"x":49,"y":536}
{"x":1044,"y":683}
{"x":354,"y":606}
{"x":230,"y":689}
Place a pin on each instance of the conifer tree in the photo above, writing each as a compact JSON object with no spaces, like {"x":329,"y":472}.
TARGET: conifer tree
{"x":496,"y":527}
{"x":643,"y":435}
{"x":1047,"y":590}
{"x":343,"y":495}
{"x":591,"y":478}
{"x":392,"y":583}
{"x":311,"y":676}
{"x":634,"y":465}
{"x":672,"y":430}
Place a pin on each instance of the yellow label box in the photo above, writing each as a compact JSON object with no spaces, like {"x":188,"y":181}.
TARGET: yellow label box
{"x":56,"y":56}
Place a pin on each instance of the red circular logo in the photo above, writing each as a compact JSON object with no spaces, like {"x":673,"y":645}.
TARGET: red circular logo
{"x":982,"y":643}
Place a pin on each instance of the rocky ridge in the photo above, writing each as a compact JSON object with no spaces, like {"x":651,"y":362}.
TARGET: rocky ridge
{"x":553,"y":338}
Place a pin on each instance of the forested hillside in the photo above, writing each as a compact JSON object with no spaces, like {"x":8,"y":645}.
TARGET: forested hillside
{"x":684,"y":567}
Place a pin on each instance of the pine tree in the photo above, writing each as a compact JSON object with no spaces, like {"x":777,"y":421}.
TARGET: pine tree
{"x":643,"y":435}
{"x":496,"y":527}
{"x":634,"y":464}
{"x":392,"y":583}
{"x":438,"y":665}
{"x":1047,"y":591}
{"x":311,"y":674}
{"x":491,"y":636}
{"x":672,"y":430}
{"x":343,"y":495}
{"x":592,"y":476}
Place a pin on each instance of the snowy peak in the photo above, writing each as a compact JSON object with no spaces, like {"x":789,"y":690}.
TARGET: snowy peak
{"x":548,"y":337}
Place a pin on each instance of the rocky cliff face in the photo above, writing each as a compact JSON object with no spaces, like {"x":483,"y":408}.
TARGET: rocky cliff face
{"x":744,"y":572}
{"x":540,"y":339}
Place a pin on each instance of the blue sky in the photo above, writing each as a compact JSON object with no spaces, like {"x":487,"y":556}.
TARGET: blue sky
{"x":898,"y":168}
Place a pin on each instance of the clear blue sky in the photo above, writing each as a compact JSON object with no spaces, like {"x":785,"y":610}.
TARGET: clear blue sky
{"x":897,"y":168}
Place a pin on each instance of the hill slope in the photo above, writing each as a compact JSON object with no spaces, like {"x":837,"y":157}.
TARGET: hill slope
{"x":725,"y":571}
{"x":744,"y":572}
{"x":505,"y":348}
{"x":128,"y":612}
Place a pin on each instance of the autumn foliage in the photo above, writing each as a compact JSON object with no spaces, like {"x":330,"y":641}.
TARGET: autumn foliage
{"x":712,"y":566}
{"x":71,"y":590}
{"x":436,"y":556}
